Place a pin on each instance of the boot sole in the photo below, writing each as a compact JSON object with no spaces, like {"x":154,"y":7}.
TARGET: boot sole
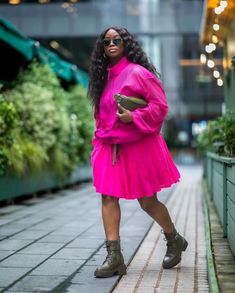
{"x":121,"y":270}
{"x":171,"y":265}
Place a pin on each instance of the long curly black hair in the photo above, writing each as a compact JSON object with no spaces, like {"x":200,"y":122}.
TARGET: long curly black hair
{"x":99,"y":62}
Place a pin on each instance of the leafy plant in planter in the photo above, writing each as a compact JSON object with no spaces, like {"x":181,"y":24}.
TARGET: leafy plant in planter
{"x":18,"y":153}
{"x":68,"y":150}
{"x":81,"y":114}
{"x":219,"y":136}
{"x":8,"y":122}
{"x":228,"y":126}
{"x":39,"y":74}
{"x":52,"y":127}
{"x":34,"y":137}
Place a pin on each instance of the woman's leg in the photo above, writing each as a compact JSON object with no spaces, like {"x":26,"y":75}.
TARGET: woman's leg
{"x":111,"y":215}
{"x":175,"y":242}
{"x":158,"y":211}
{"x":114,"y":262}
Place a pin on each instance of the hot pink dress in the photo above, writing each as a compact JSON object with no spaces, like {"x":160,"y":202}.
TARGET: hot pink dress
{"x":144,"y":165}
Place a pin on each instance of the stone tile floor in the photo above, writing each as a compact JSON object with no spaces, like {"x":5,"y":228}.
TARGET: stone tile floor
{"x":53,"y":243}
{"x":145,"y":272}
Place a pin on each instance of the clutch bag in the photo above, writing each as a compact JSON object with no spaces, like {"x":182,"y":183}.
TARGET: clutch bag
{"x":129,"y":103}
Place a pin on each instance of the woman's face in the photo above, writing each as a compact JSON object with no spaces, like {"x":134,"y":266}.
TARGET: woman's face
{"x":113,"y":46}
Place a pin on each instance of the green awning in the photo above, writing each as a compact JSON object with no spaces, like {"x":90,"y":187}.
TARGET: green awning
{"x":30,"y":49}
{"x":80,"y":77}
{"x":11,"y":36}
{"x":60,"y":67}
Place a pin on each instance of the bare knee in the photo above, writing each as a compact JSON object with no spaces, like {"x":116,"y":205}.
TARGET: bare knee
{"x":109,"y":200}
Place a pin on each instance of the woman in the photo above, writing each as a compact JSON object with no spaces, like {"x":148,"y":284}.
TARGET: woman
{"x":143,"y":165}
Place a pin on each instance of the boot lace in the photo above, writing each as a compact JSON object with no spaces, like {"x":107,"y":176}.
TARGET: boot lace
{"x":171,"y":244}
{"x":109,"y":256}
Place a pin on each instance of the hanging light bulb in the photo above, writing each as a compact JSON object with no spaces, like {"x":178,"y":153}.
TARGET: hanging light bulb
{"x":214,"y":39}
{"x":223,"y":4}
{"x":219,"y":82}
{"x":210,"y":63}
{"x":216,"y":27}
{"x":208,"y":49}
{"x":212,"y":46}
{"x":216,"y":74}
{"x":203,"y":58}
{"x":219,"y":10}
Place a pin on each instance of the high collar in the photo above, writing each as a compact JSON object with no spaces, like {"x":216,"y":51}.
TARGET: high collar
{"x":117,"y":68}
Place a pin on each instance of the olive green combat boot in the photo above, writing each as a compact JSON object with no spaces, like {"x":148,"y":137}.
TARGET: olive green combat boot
{"x":114,"y":262}
{"x":175,"y":245}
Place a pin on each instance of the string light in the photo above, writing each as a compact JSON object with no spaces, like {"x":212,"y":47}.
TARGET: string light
{"x":216,"y":74}
{"x":210,"y":63}
{"x":219,"y":82}
{"x":210,"y":48}
{"x":214,"y":39}
{"x":203,"y":58}
{"x":218,"y":10}
{"x":216,"y":27}
{"x":223,"y":4}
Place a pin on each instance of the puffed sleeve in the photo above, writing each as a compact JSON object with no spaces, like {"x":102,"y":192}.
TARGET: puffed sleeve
{"x":150,"y":118}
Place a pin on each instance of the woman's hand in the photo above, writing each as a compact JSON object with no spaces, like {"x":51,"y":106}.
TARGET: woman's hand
{"x":125,"y":116}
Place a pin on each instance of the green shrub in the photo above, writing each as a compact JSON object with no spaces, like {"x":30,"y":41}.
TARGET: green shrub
{"x":25,"y":156}
{"x":42,"y":125}
{"x":228,"y":122}
{"x":73,"y":119}
{"x":36,"y":111}
{"x":219,"y":136}
{"x":33,"y":136}
{"x":8,"y":124}
{"x":39,"y":74}
{"x":81,"y":115}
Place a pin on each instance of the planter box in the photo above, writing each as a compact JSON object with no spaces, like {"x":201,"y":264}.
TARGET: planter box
{"x":220,"y":175}
{"x":209,"y":174}
{"x":12,"y":187}
{"x":231,"y":205}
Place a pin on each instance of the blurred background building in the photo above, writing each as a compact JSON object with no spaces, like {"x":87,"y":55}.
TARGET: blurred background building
{"x":169,"y":32}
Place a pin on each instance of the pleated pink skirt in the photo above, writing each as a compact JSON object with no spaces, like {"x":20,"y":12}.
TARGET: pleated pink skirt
{"x":141,"y":169}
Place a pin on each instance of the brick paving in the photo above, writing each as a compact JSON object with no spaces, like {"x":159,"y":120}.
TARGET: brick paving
{"x":145,"y":272}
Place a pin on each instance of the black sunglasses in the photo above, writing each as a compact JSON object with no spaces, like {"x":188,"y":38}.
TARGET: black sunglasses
{"x":115,"y":42}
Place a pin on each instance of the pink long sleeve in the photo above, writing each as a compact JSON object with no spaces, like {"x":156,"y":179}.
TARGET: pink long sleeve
{"x":150,"y":118}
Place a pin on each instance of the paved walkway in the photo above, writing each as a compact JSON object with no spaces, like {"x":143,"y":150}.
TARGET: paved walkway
{"x":53,"y":243}
{"x":145,"y":273}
